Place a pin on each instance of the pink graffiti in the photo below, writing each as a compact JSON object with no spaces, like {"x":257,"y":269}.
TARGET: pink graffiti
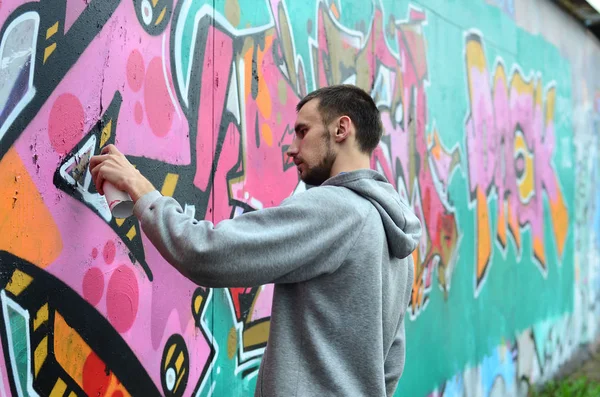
{"x":510,"y":142}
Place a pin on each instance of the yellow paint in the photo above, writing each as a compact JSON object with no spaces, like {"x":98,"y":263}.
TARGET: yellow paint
{"x":267,"y":134}
{"x":106,"y":132}
{"x":256,"y":334}
{"x":41,"y":317}
{"x":70,"y":350}
{"x":27,"y":228}
{"x":550,"y":101}
{"x":475,"y":55}
{"x":40,"y":354}
{"x":169,"y":184}
{"x":59,"y":388}
{"x":484,"y":242}
{"x":154,"y":3}
{"x":526,"y":183}
{"x":500,"y":76}
{"x":169,"y":355}
{"x":161,"y":16}
{"x":538,"y":251}
{"x":179,"y":361}
{"x":560,"y":220}
{"x":18,"y":282}
{"x":539,"y":90}
{"x":131,"y":233}
{"x":198,"y":304}
{"x":120,"y":221}
{"x":48,"y":51}
{"x":72,"y":394}
{"x":179,"y":379}
{"x":521,"y":86}
{"x":52,"y":30}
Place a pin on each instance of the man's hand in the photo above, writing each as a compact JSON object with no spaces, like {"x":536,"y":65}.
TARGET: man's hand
{"x":112,"y":166}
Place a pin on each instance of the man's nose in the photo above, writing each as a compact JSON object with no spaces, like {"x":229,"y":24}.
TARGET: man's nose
{"x":293,"y":148}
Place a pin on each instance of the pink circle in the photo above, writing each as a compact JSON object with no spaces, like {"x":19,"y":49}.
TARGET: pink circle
{"x":65,"y":124}
{"x":108,"y":252}
{"x":93,"y":285}
{"x":122,"y":297}
{"x":95,"y":253}
{"x":138,"y":113}
{"x":135,"y":70}
{"x":159,"y":108}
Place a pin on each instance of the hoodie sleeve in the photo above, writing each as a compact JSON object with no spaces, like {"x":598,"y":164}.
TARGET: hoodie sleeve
{"x":306,"y":236}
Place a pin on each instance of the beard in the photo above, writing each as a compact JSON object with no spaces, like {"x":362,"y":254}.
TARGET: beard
{"x":318,"y":174}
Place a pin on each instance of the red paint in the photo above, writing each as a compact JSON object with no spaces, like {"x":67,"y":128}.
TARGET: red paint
{"x":138,"y":113}
{"x":108,"y":252}
{"x":122,"y":298}
{"x":93,"y":285}
{"x":135,"y":70}
{"x":159,"y":108}
{"x":95,"y":379}
{"x":65,"y":123}
{"x":95,"y":253}
{"x":117,"y":393}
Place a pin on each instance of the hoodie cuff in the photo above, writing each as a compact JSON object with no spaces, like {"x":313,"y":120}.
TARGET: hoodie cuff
{"x":145,"y":202}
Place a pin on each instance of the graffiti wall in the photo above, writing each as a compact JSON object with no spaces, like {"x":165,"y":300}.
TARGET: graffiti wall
{"x":482,"y":138}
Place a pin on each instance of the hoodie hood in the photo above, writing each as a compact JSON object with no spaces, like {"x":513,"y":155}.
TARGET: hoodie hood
{"x":402,"y":227}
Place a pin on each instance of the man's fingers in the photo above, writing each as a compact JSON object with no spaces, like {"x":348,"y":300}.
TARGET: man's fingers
{"x":110,"y":149}
{"x":95,"y":160}
{"x":98,"y":179}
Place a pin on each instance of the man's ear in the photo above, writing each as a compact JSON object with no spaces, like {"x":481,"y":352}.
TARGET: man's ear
{"x":344,"y":126}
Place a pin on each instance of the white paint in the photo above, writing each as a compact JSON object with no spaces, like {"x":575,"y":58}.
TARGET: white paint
{"x":34,"y":18}
{"x":146,"y":12}
{"x":170,"y":378}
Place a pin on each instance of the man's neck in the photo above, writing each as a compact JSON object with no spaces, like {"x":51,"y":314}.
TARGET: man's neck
{"x":345,"y":164}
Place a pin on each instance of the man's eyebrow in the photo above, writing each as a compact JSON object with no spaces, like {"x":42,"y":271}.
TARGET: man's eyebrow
{"x":299,"y":127}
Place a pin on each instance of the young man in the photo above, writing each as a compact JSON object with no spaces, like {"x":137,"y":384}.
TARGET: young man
{"x":339,"y":254}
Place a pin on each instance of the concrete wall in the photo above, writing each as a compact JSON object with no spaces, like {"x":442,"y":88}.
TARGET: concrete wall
{"x":491,"y":112}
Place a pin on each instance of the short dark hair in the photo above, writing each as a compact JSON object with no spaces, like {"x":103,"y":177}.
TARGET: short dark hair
{"x":349,"y":100}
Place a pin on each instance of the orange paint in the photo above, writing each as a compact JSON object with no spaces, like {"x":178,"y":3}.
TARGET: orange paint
{"x":436,"y":150}
{"x":267,"y":134}
{"x":72,"y":354}
{"x":26,"y":226}
{"x":484,"y":242}
{"x":70,"y":349}
{"x":335,"y":11}
{"x":416,"y":281}
{"x":560,"y":221}
{"x":263,"y":98}
{"x":513,"y":225}
{"x":538,"y":251}
{"x":502,"y":224}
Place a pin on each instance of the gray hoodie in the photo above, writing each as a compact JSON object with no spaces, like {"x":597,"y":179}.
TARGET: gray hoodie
{"x":340,"y":257}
